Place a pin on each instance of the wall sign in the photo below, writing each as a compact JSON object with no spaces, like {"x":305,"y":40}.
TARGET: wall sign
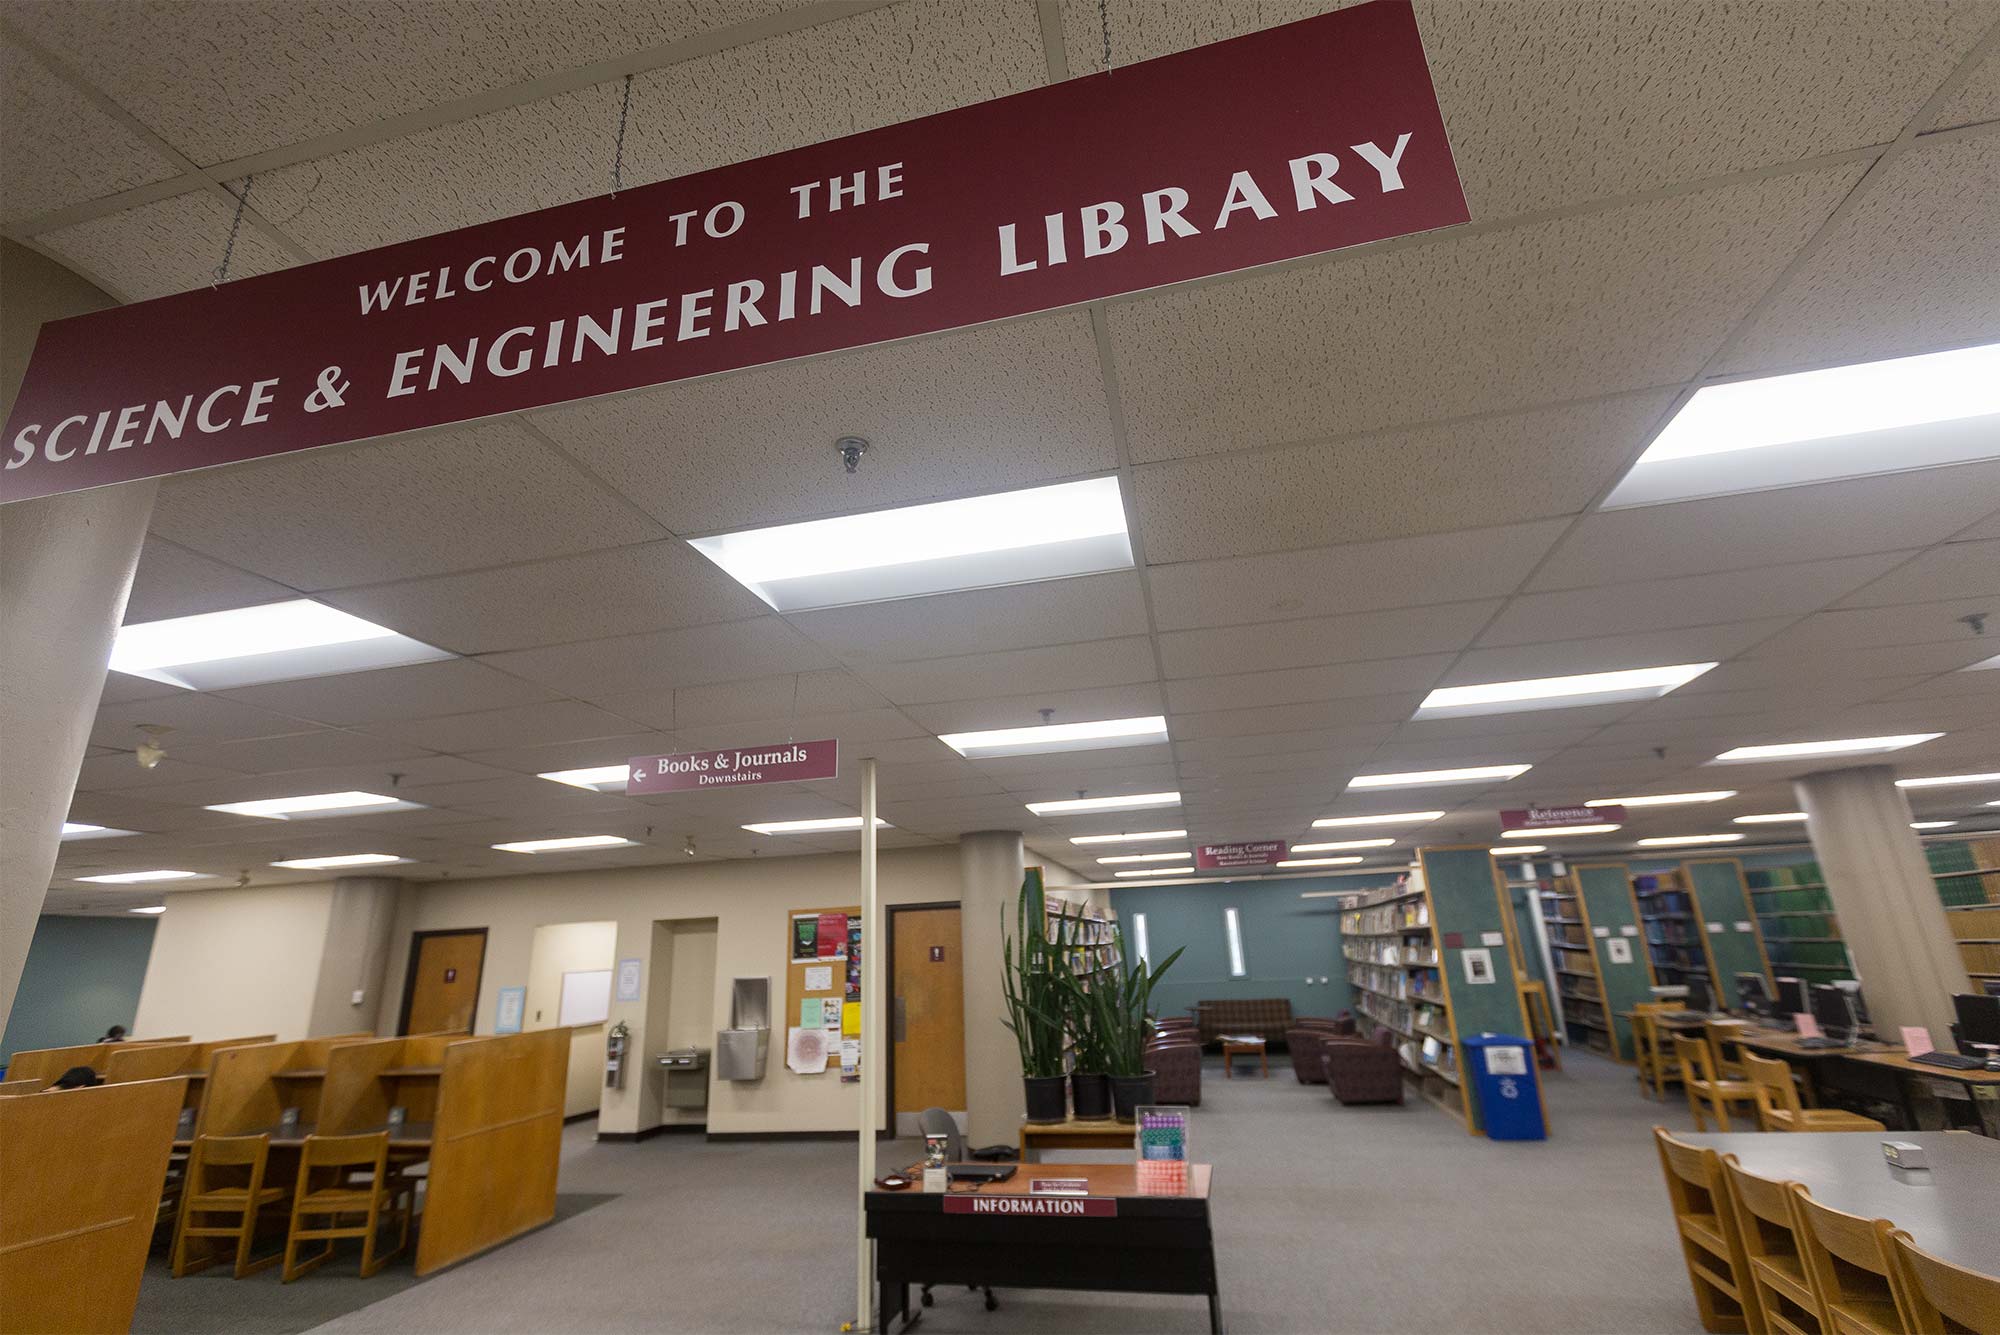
{"x":780,"y":762}
{"x":1619,"y":949}
{"x":1288,"y":142}
{"x":507,"y":1015}
{"x":1260,"y":853}
{"x":631,"y":973}
{"x":1549,"y":818}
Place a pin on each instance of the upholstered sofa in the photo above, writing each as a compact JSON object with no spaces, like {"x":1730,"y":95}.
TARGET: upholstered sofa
{"x":1176,"y":1066}
{"x":1265,"y":1017}
{"x":1363,"y":1070}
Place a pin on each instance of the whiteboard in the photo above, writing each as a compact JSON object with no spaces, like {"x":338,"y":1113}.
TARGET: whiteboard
{"x":586,"y":997}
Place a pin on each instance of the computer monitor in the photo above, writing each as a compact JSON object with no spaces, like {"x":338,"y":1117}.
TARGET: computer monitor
{"x":1852,"y":986}
{"x":1833,"y":1010}
{"x":1978,"y":1017}
{"x":1751,"y":992}
{"x":1698,"y":998}
{"x":1791,"y":996}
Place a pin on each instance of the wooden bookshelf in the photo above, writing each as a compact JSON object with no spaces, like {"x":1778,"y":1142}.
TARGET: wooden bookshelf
{"x":1670,"y":920}
{"x":1968,"y":881}
{"x":1579,"y":989}
{"x":1089,"y":935}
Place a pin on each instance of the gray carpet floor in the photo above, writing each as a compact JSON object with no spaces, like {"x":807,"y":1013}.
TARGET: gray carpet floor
{"x":1326,"y":1219}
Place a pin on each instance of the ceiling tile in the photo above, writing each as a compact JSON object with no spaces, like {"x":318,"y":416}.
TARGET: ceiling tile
{"x":1913,"y":267}
{"x":1871,"y":627}
{"x":698,"y":655}
{"x":1242,"y":690}
{"x":1953,"y":570}
{"x":60,"y":148}
{"x":1689,"y":600}
{"x":121,"y":773}
{"x":174,"y":582}
{"x":1612,"y":653}
{"x":418,"y":505}
{"x":1068,"y":667}
{"x":1306,"y":718}
{"x":579,"y":753}
{"x":453,"y":685}
{"x":1884,"y":661}
{"x":1355,"y":577}
{"x":851,"y":730}
{"x":1310,"y":641}
{"x":987,"y":410}
{"x":1629,"y":298}
{"x":173,"y":245}
{"x":192,"y":718}
{"x":1977,"y":100}
{"x":301,"y":750}
{"x":1134,"y":700}
{"x":1017,"y":616}
{"x":1872,"y":514}
{"x":650,"y":586}
{"x":520,"y":725}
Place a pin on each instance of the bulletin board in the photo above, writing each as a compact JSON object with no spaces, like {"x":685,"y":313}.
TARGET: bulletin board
{"x":823,"y":959}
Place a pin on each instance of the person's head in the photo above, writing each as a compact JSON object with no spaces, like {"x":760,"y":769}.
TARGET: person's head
{"x":77,"y":1077}
{"x":114,"y":1034}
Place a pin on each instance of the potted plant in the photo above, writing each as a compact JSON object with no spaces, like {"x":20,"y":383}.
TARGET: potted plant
{"x":1116,"y":1002}
{"x":1032,"y":977}
{"x":1089,"y":1078}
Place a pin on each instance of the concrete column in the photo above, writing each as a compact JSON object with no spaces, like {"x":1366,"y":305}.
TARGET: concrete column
{"x":354,"y":961}
{"x":989,"y":864}
{"x":1885,"y":897}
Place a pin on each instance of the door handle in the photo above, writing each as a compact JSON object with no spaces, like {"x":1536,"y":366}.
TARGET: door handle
{"x":902,"y":1020}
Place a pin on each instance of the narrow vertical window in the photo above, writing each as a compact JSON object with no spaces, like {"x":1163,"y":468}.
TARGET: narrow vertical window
{"x":1234,"y":927}
{"x":1139,"y":941}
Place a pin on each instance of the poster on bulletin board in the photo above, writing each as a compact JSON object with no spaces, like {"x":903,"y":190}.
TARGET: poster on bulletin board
{"x":823,"y":985}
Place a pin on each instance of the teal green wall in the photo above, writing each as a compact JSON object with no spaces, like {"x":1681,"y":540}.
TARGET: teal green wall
{"x":81,"y":977}
{"x":1286,"y":939}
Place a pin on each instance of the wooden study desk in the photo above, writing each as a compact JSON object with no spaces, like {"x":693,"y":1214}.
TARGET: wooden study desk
{"x":408,"y":1136}
{"x":1072,"y":1134}
{"x":1948,"y":1208}
{"x":1003,"y":1236}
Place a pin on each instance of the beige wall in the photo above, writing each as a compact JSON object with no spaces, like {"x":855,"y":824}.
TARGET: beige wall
{"x":230,"y":962}
{"x":556,"y":949}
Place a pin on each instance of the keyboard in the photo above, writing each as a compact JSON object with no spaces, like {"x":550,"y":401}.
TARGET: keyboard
{"x":1950,"y":1060}
{"x":1817,"y":1043}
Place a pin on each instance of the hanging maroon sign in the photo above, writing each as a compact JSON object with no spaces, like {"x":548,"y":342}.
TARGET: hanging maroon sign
{"x":1551,"y":818}
{"x":781,"y":762}
{"x":1283,"y":143}
{"x":1219,"y":857}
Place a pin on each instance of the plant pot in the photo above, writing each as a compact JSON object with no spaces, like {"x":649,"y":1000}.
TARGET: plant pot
{"x":1129,"y":1093}
{"x":1047,"y":1097}
{"x":1091,"y":1096}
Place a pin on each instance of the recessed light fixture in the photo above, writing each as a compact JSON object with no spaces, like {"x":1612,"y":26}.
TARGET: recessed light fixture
{"x":1339,"y":844}
{"x":1589,"y":688}
{"x":1076,"y":806}
{"x":1947,"y":780}
{"x":822,"y":826}
{"x":1147,"y":857}
{"x":245,"y":646}
{"x":1157,"y":871}
{"x":1668,"y":840}
{"x":1013,"y":537}
{"x":1518,"y":850}
{"x":1815,"y":426}
{"x":78,"y":830}
{"x":1558,"y":831}
{"x":1771,"y":818}
{"x":1383,"y":818}
{"x":570,"y":844}
{"x":1057,"y":737}
{"x":340,"y":860}
{"x":1849,"y":746}
{"x":1424,"y":777}
{"x":1662,"y":799}
{"x":150,"y":908}
{"x":139,"y":877}
{"x":1142,"y":836}
{"x":1932,"y":824}
{"x":313,"y":805}
{"x":1318,"y":862}
{"x":596,"y":778}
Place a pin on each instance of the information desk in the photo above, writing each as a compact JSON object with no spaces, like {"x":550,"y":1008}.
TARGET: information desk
{"x":1947,"y":1207}
{"x":1102,"y":1133}
{"x":1001,"y":1236}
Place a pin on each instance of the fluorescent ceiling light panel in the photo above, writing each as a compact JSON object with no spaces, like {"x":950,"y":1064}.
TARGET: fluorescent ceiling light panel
{"x":78,"y":830}
{"x":1318,"y":862}
{"x":1558,"y":831}
{"x":571,"y":844}
{"x":1519,"y":850}
{"x":313,"y":805}
{"x":1771,"y":818}
{"x":272,"y":642}
{"x":1383,"y":818}
{"x":151,"y":908}
{"x":1339,"y":844}
{"x":1662,"y":799}
{"x":1667,"y":840}
{"x":1142,"y":836}
{"x":1147,"y":857}
{"x":1589,"y":688}
{"x":340,"y":860}
{"x":1816,"y":426}
{"x":1014,"y":537}
{"x":1076,"y":806}
{"x":1422,"y":777}
{"x":1983,"y":665}
{"x":1947,"y":780}
{"x":824,"y":826}
{"x":1157,"y":871}
{"x":1057,"y":737}
{"x":139,"y":877}
{"x":1749,"y":755}
{"x":1932,"y":824}
{"x":597,"y":778}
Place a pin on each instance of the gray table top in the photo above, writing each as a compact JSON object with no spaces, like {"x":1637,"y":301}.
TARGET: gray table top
{"x":1950,"y":1207}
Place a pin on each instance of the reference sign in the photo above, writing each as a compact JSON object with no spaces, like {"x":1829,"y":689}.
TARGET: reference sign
{"x":781,"y":762}
{"x":1548,"y":818}
{"x":1284,"y":143}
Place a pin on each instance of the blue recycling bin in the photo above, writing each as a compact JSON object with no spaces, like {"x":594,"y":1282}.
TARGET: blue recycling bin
{"x":1502,"y":1070}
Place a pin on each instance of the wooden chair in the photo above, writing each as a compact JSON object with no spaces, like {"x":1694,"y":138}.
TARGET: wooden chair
{"x":224,"y":1176}
{"x":1721,"y":1036}
{"x":1717,"y":1266}
{"x":1780,"y":1286}
{"x":1651,"y":1058}
{"x":1847,"y":1258}
{"x":1937,"y":1297}
{"x":1778,"y":1106}
{"x":326,"y":1190}
{"x":1704,"y":1086}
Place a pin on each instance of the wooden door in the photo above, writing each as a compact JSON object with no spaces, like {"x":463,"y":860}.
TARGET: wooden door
{"x":927,"y":1011}
{"x":442,"y":990}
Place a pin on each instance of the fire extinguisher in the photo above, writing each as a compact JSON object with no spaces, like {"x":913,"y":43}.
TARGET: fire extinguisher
{"x":615,"y":1044}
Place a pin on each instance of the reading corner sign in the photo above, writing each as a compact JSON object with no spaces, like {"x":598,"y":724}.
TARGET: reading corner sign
{"x":1283,"y":143}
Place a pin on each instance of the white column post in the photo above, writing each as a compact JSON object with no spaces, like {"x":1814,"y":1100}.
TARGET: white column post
{"x":874,"y":1053}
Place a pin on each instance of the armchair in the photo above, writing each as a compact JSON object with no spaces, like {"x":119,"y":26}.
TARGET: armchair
{"x":1305,"y":1043}
{"x":1176,"y":1066}
{"x":1362,"y":1071}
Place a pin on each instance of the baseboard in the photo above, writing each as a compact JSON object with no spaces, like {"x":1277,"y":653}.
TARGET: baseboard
{"x":579,"y":1117}
{"x":665,"y":1129}
{"x":791,"y":1135}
